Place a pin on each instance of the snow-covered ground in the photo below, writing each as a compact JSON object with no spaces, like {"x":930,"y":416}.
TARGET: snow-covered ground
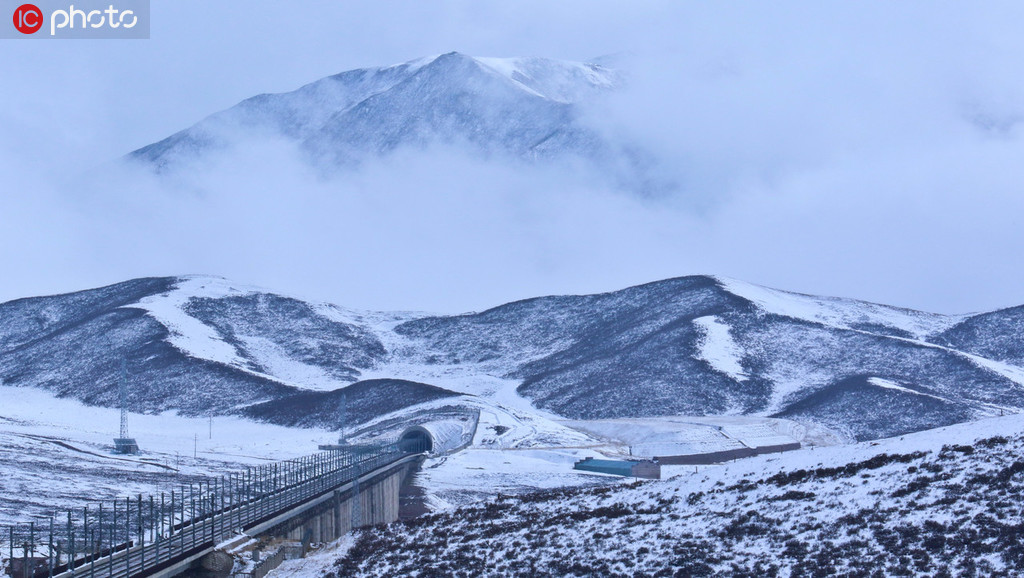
{"x":756,"y":516}
{"x":682,"y":435}
{"x":942,"y":502}
{"x":512,"y":451}
{"x":515,"y":452}
{"x":68,"y":444}
{"x":56,"y":453}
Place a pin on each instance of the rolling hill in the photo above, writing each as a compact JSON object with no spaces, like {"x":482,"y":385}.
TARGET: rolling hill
{"x":687,"y":346}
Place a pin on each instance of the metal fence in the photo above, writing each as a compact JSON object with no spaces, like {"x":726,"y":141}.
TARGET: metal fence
{"x":143,"y":534}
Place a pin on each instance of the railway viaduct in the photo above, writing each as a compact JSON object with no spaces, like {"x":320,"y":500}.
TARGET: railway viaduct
{"x":316,"y":498}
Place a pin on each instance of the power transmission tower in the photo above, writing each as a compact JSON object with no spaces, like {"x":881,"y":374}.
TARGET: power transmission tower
{"x":125,"y":444}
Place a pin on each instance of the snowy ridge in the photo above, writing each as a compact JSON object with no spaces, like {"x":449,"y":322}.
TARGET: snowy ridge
{"x":839,"y":312}
{"x":561,"y":81}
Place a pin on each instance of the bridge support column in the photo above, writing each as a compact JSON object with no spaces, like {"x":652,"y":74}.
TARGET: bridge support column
{"x":217,"y":563}
{"x":378,"y":502}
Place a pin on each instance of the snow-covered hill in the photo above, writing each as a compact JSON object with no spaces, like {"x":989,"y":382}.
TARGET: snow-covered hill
{"x":686,"y":346}
{"x":521,"y":108}
{"x":198,"y":346}
{"x":702,"y":345}
{"x":938,"y":503}
{"x":998,"y":335}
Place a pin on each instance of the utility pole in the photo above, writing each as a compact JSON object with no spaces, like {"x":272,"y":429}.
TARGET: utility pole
{"x":343,"y":410}
{"x":356,"y":518}
{"x":124,"y":398}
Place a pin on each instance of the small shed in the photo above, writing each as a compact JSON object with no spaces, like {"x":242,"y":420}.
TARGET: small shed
{"x":647,"y":469}
{"x":125,"y":446}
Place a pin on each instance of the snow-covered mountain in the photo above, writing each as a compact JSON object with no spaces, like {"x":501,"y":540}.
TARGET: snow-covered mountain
{"x":686,"y":346}
{"x":523,"y":108}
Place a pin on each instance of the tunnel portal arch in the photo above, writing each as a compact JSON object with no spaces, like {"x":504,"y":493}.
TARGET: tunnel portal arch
{"x":416,"y":440}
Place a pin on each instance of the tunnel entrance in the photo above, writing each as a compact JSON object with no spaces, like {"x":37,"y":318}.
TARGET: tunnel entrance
{"x":416,"y":440}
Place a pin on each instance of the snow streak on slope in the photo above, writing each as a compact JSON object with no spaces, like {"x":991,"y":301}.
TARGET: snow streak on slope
{"x":247,"y":328}
{"x":718,"y":348}
{"x":885,"y":383}
{"x":281,"y":366}
{"x":187,"y":333}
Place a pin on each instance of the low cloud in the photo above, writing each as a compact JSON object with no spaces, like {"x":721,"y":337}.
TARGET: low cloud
{"x":865,"y":151}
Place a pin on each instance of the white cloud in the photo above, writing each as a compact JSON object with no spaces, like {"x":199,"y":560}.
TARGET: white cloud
{"x":864,"y":150}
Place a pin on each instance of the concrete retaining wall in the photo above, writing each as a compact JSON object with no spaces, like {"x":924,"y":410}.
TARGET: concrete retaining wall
{"x":724,"y":456}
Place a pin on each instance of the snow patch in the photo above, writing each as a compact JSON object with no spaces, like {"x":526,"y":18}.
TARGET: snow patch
{"x":887,"y":384}
{"x":271,"y":357}
{"x":188,"y":334}
{"x":718,"y":348}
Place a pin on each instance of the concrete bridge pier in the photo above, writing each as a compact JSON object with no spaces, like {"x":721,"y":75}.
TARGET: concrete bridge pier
{"x":332,"y":516}
{"x":325,"y":518}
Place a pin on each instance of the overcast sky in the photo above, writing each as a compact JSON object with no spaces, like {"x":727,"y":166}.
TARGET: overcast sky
{"x":866,"y":150}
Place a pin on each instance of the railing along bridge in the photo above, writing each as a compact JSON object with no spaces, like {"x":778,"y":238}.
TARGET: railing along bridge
{"x":143,"y":535}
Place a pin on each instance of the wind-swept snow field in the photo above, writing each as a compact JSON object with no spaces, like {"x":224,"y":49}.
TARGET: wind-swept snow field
{"x":56,"y":453}
{"x":69,"y":445}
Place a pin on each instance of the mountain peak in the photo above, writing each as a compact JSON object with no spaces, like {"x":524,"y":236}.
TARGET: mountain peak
{"x":561,"y":81}
{"x":521,"y":108}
